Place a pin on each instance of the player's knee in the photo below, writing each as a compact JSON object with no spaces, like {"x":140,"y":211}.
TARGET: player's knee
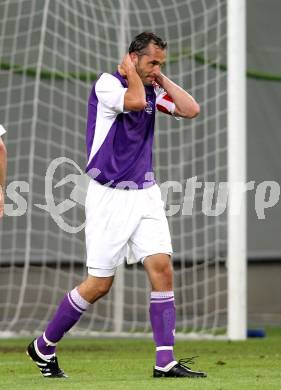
{"x":166,"y":269}
{"x":164,"y":275}
{"x":103,"y":289}
{"x":167,"y":274}
{"x":98,"y":292}
{"x":94,"y":288}
{"x":162,"y":281}
{"x":160,"y":271}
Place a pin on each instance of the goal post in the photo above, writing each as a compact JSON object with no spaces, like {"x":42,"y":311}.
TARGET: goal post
{"x":50,"y":55}
{"x":236,"y":124}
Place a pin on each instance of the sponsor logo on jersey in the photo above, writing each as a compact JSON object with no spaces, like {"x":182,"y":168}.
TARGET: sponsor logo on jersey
{"x":149,"y":107}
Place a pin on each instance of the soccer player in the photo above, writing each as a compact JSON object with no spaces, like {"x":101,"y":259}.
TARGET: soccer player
{"x":123,"y":205}
{"x":3,"y":167}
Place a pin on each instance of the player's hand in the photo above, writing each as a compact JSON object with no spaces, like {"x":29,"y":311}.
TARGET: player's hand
{"x":1,"y":202}
{"x":126,"y":66}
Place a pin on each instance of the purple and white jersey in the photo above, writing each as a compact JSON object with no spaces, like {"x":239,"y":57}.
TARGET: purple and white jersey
{"x":2,"y":130}
{"x":119,"y":143}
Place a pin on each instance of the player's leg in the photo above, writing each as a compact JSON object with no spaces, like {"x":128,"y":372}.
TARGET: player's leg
{"x":95,"y":287}
{"x":68,"y":313}
{"x":163,"y":318}
{"x":70,"y":309}
{"x":162,"y":307}
{"x":151,"y":243}
{"x":108,"y":227}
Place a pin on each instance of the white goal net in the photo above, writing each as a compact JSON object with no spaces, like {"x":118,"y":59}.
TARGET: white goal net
{"x":50,"y":54}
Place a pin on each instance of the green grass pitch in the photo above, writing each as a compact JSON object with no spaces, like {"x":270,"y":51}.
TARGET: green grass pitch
{"x":113,"y":364}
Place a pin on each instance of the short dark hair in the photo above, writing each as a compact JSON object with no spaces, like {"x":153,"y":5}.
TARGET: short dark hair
{"x":141,"y":41}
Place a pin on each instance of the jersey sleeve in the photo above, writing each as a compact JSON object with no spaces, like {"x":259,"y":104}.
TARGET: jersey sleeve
{"x":110,"y":92}
{"x":164,"y":103}
{"x":2,"y":130}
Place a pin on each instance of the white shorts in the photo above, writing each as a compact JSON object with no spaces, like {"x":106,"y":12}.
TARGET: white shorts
{"x":123,"y":224}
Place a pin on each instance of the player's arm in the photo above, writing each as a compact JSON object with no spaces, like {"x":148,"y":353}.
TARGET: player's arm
{"x":134,"y":98}
{"x":3,"y":167}
{"x":185,"y":105}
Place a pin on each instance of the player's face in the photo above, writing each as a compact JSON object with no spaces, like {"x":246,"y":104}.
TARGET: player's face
{"x":149,"y":65}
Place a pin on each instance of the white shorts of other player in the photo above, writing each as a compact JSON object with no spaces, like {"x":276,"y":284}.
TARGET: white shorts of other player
{"x":123,"y":224}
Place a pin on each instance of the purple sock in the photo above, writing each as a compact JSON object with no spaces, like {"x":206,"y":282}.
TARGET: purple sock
{"x":163,"y":322}
{"x":68,"y":313}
